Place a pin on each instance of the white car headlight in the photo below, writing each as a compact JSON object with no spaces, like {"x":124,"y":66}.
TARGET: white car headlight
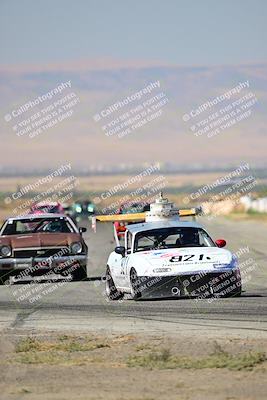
{"x":5,"y":251}
{"x":76,"y":248}
{"x":78,"y":209}
{"x":233,"y":264}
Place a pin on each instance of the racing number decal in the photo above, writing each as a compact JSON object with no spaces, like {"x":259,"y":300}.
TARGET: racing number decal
{"x":188,"y":257}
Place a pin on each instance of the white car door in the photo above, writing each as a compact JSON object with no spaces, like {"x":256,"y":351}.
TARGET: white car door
{"x":115,"y":262}
{"x":123,"y":270}
{"x":118,"y":264}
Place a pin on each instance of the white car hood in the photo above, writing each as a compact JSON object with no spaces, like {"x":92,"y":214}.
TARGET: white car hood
{"x":183,"y":260}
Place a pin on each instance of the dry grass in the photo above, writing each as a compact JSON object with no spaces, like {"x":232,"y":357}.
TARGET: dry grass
{"x":60,"y":351}
{"x":164,"y":359}
{"x":76,"y":350}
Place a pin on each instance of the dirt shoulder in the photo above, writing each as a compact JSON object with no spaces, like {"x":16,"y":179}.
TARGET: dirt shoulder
{"x":252,"y":216}
{"x":54,"y":365}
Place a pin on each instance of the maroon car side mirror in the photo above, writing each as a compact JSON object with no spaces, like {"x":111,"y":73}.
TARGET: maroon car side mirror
{"x":220,"y":242}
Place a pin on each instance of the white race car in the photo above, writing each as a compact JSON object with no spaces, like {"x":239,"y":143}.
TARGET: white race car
{"x":165,"y":257}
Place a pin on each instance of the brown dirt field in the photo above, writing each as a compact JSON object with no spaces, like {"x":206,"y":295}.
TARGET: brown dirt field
{"x":56,"y":366}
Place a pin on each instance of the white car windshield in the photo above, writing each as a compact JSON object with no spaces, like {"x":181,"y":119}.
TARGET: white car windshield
{"x":169,"y":238}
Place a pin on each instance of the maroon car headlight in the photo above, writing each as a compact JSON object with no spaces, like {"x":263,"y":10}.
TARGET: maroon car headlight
{"x":5,"y":251}
{"x":76,"y":248}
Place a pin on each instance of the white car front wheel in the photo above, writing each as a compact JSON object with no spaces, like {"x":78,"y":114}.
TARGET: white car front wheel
{"x":135,"y":290}
{"x":111,"y":290}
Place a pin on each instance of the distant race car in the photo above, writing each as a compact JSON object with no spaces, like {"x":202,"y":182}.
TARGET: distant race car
{"x":165,"y":257}
{"x":82,"y":210}
{"x":128,"y":208}
{"x":40,"y":244}
{"x":44,"y":207}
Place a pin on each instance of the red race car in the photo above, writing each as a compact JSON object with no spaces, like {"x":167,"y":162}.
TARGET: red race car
{"x":53,"y":207}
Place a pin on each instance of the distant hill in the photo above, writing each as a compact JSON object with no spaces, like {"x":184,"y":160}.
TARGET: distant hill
{"x":81,"y":141}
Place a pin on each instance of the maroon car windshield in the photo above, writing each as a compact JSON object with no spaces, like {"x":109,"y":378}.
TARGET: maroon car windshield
{"x":37,"y":225}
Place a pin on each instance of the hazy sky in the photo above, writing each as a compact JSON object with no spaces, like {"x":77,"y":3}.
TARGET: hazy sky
{"x":172,"y":31}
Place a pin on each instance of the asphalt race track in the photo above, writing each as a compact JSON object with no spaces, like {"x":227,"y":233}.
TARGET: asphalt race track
{"x":82,"y":305}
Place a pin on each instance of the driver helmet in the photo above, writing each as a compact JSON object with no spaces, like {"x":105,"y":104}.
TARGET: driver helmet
{"x":189,"y":236}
